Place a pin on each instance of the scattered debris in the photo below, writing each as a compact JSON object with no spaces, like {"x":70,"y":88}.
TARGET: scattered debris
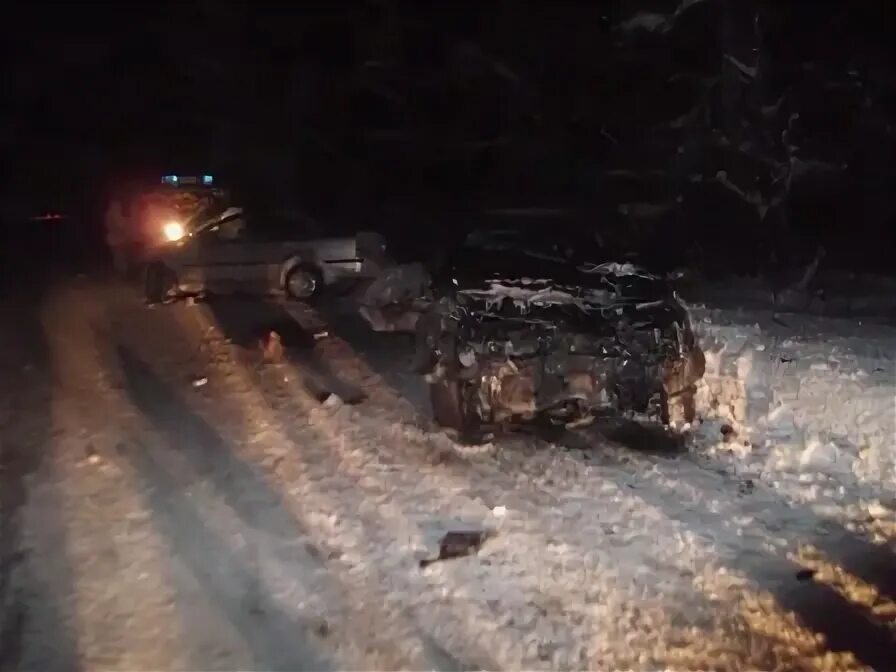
{"x":457,"y":544}
{"x":332,"y":401}
{"x":200,"y":382}
{"x":90,"y":455}
{"x":499,"y":511}
{"x":746,"y":487}
{"x":728,"y":432}
{"x":272,"y":347}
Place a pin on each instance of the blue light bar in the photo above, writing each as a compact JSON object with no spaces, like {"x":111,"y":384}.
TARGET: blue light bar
{"x":208,"y":180}
{"x":170,"y":179}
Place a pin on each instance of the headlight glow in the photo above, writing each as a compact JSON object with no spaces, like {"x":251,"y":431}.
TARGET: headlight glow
{"x":173,"y":231}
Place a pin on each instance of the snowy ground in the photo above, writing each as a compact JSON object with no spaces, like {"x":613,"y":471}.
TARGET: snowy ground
{"x":172,"y":499}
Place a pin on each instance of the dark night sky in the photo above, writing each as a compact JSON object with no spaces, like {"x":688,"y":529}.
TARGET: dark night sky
{"x":129,"y":84}
{"x":373,"y":104}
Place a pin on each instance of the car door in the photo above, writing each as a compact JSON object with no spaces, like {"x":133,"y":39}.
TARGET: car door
{"x":276,"y":237}
{"x":337,"y":254}
{"x":267,"y":245}
{"x":222,"y":254}
{"x":242,"y":255}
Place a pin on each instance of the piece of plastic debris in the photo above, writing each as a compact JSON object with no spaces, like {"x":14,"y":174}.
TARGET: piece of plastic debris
{"x":321,"y":334}
{"x":272,"y":347}
{"x":199,"y":382}
{"x":332,"y":401}
{"x":457,"y":545}
{"x":499,"y":511}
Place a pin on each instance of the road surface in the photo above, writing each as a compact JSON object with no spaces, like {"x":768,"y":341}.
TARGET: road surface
{"x":176,"y":496}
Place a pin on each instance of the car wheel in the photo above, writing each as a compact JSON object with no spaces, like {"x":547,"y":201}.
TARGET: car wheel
{"x":303,"y":282}
{"x":450,"y":411}
{"x":159,"y":283}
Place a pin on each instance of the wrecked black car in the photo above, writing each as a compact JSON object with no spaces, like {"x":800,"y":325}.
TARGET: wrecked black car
{"x":516,"y":334}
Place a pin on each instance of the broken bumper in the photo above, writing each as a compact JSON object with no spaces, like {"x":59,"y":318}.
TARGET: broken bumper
{"x":499,"y":388}
{"x":523,"y":389}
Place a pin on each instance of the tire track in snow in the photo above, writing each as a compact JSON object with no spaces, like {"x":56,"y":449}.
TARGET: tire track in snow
{"x":35,"y":587}
{"x":153,"y":612}
{"x":95,"y":505}
{"x":360,"y":627}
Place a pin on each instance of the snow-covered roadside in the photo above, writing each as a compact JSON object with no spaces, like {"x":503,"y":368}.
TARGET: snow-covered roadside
{"x":805,"y":403}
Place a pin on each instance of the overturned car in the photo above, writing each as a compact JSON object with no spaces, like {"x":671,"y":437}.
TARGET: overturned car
{"x":514,"y":335}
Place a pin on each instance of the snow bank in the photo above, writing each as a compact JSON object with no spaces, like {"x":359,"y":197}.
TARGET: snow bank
{"x":801,"y":400}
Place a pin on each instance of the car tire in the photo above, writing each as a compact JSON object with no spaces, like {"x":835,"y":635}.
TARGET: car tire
{"x":450,"y":411}
{"x":159,"y":283}
{"x":303,"y":282}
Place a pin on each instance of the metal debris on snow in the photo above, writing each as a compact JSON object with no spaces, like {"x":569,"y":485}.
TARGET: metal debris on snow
{"x":457,"y":544}
{"x":332,"y":401}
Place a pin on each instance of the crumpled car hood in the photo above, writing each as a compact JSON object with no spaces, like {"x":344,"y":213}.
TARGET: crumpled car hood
{"x":604,"y":299}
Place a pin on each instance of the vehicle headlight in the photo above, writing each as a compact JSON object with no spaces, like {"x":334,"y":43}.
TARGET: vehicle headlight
{"x":173,"y":231}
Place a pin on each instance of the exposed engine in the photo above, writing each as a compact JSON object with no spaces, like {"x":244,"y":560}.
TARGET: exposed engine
{"x":512,"y":349}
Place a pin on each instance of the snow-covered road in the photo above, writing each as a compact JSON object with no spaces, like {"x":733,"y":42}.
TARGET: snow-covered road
{"x":172,"y":499}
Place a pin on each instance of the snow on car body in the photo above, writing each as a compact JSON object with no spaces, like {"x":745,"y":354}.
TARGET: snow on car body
{"x":259,"y":253}
{"x":517,"y":333}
